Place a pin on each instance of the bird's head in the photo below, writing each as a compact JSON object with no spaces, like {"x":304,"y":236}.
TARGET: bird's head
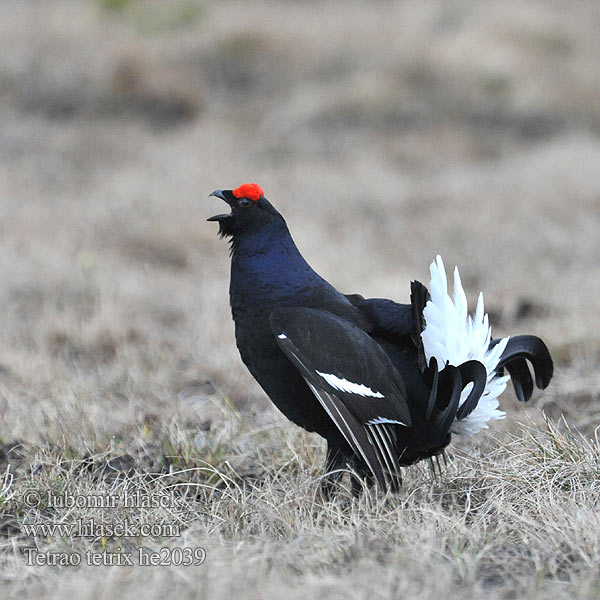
{"x":250,"y":212}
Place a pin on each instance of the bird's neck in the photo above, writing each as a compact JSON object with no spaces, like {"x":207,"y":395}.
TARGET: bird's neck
{"x":266,"y":266}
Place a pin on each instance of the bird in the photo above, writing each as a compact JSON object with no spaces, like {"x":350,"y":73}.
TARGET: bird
{"x":386,"y":384}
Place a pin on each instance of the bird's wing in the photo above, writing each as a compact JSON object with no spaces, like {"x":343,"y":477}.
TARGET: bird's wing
{"x":353,"y":379}
{"x":389,"y":319}
{"x":394,"y":322}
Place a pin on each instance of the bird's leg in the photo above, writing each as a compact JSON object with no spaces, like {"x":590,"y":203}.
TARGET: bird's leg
{"x":445,"y":459}
{"x":339,"y":458}
{"x":335,"y":461}
{"x":432,"y":468}
{"x":361,"y":477}
{"x":439,"y":466}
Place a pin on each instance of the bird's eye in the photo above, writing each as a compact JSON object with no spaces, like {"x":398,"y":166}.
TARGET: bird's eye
{"x":244,"y":202}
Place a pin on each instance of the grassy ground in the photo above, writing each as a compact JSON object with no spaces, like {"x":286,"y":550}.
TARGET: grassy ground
{"x":385,"y":132}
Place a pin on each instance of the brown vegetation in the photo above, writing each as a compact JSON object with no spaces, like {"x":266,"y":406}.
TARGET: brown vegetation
{"x":386,"y":133}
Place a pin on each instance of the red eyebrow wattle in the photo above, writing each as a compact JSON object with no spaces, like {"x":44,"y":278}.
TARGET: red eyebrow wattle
{"x":252,"y":191}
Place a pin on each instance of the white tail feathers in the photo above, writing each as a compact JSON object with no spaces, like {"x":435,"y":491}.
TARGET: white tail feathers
{"x":453,"y":337}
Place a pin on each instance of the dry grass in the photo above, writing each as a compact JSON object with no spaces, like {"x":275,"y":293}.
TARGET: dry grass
{"x":519,"y":519}
{"x":385,"y":132}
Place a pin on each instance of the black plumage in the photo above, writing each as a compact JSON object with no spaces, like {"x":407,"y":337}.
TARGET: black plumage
{"x":351,"y":369}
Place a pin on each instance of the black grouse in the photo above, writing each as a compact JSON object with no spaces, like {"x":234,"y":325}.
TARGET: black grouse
{"x":384,"y":383}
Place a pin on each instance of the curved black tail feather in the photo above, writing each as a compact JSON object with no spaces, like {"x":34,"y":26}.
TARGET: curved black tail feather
{"x":433,"y":421}
{"x":519,"y":350}
{"x":473,"y":372}
{"x":451,"y":384}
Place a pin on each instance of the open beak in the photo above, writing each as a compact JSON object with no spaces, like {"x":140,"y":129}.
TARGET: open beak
{"x":222,"y":194}
{"x":219,"y":194}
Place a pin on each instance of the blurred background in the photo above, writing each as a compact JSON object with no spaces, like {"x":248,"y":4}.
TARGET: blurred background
{"x":385,"y":132}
